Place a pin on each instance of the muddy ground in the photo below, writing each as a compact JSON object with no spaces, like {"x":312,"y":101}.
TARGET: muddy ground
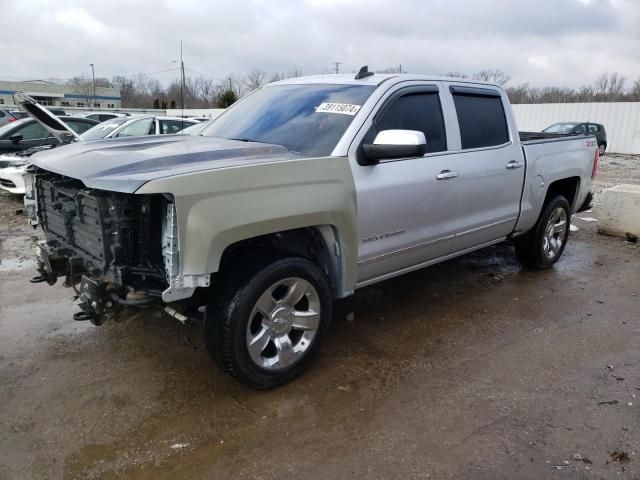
{"x":473,"y":369}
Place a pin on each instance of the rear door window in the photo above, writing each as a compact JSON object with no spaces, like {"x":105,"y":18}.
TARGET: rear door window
{"x":32,"y":131}
{"x":481,"y":117}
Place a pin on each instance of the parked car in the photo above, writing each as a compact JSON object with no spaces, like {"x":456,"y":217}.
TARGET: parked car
{"x":137,"y":127}
{"x":27,"y":133}
{"x":194,"y":129}
{"x":6,"y":117}
{"x":301,"y":192}
{"x":18,"y":114}
{"x":100,"y":116}
{"x":40,"y":132}
{"x":581,"y":128}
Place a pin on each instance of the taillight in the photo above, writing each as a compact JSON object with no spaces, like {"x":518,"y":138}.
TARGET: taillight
{"x":11,"y":119}
{"x":595,"y":164}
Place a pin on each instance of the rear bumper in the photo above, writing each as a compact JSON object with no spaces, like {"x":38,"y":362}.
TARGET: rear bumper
{"x":11,"y":179}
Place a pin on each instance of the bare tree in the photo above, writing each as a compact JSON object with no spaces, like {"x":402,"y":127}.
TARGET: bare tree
{"x":255,"y":79}
{"x":103,"y":82}
{"x":456,"y":75}
{"x":276,"y":77}
{"x":493,"y":76}
{"x":519,"y":94}
{"x":397,"y":69}
{"x":126,"y":87}
{"x":609,"y":87}
{"x":635,"y":91}
{"x":83,"y":86}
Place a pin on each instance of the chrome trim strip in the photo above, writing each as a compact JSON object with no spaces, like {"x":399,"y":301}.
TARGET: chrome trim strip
{"x":418,"y":266}
{"x":494,"y":224}
{"x":403,"y":250}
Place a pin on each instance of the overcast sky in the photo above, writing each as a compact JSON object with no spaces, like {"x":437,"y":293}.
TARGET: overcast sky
{"x":544,"y":42}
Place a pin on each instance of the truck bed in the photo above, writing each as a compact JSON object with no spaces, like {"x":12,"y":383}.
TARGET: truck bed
{"x":543,"y":137}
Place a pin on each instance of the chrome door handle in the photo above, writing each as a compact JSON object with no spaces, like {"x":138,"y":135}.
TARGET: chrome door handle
{"x":445,"y":174}
{"x":513,"y":164}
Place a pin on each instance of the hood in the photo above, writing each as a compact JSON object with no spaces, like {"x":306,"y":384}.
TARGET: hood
{"x":124,"y":165}
{"x":48,"y":120}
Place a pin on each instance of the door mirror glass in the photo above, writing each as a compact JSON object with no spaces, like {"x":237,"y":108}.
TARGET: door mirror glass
{"x":16,"y":138}
{"x":390,"y":144}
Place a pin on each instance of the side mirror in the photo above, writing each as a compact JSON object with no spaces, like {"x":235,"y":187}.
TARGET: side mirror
{"x":390,"y":144}
{"x":16,"y":138}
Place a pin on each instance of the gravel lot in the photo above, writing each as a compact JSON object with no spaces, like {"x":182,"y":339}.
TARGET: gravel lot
{"x":473,"y":369}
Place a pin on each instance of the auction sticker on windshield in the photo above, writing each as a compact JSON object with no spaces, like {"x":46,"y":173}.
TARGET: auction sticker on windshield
{"x":343,"y":108}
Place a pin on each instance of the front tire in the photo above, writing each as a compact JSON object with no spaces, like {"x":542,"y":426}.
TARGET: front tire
{"x":266,"y":325}
{"x":544,"y":244}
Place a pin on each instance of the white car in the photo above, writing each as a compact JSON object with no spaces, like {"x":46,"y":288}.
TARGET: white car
{"x":12,"y":168}
{"x":137,"y":127}
{"x":100,"y":116}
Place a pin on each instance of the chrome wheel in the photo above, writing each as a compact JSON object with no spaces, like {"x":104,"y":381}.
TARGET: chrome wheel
{"x":601,"y":149}
{"x":283,"y":324}
{"x":555,"y":233}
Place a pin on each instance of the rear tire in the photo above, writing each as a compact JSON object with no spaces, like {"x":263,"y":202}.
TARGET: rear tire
{"x":544,"y":244}
{"x":601,"y":149}
{"x":265,"y":325}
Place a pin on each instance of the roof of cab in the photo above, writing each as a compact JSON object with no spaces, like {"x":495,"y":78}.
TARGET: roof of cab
{"x":375,"y":79}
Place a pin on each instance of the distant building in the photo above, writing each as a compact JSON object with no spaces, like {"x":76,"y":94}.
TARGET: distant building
{"x":55,"y":95}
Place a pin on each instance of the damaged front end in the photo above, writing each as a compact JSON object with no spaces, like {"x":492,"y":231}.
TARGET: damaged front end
{"x":116,"y":250}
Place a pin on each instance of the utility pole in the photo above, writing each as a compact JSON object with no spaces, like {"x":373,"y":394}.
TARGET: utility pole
{"x":400,"y":69}
{"x":337,"y":64}
{"x":181,"y":84}
{"x":93,"y":76}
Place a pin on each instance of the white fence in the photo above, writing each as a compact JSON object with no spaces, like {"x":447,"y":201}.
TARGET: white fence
{"x":621,"y":120}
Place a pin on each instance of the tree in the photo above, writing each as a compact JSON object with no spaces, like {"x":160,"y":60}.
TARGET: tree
{"x":397,"y":69}
{"x":82,"y":85}
{"x":255,"y":79}
{"x":635,"y":91}
{"x":456,"y":75}
{"x":492,"y":76}
{"x":609,"y":87}
{"x":519,"y":94}
{"x":126,"y":87}
{"x":227,"y":98}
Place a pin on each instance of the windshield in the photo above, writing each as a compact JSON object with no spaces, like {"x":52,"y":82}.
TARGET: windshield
{"x":560,"y":128}
{"x":307,"y":119}
{"x":103,"y":129}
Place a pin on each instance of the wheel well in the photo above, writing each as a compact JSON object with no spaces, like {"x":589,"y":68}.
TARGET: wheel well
{"x":313,"y":243}
{"x":567,"y":187}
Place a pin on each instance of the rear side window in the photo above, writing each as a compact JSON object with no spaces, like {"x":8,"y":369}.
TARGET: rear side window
{"x":414,"y":111}
{"x":481,"y":119}
{"x":32,"y":131}
{"x":168,"y":127}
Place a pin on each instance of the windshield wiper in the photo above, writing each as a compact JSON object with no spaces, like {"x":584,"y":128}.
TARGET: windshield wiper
{"x":247,"y":140}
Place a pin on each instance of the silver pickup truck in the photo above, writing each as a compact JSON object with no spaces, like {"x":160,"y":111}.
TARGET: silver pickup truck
{"x":302,"y":192}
